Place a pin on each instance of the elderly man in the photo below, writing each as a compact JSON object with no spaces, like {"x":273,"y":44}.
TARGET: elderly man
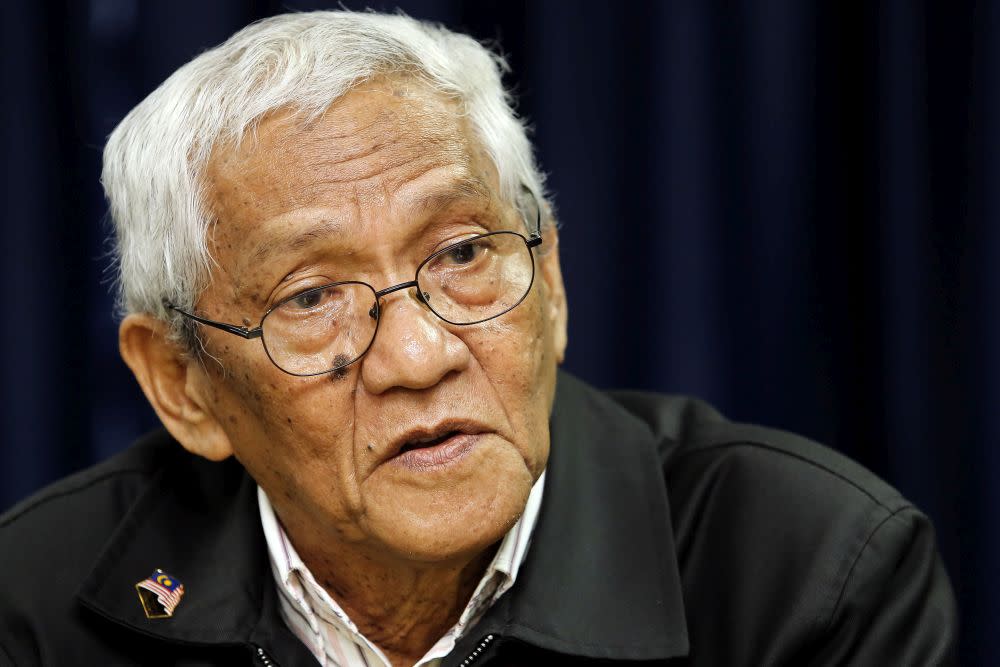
{"x":344,"y":302}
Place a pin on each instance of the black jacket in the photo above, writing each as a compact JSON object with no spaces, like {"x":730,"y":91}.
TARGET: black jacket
{"x":666,"y":534}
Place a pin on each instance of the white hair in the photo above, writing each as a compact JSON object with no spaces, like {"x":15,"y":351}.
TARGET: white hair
{"x":154,"y":159}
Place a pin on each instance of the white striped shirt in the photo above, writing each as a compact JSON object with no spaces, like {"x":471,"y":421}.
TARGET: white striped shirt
{"x":324,"y":626}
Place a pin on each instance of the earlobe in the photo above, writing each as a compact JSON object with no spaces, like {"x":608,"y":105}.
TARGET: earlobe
{"x":557,"y":309}
{"x":175,"y":385}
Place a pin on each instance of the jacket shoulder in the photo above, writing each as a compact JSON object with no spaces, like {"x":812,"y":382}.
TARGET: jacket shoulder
{"x":63,"y":497}
{"x":691,"y":434}
{"x":801,"y":543}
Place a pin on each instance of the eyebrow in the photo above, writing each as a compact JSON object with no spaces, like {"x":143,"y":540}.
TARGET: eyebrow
{"x":321,"y":229}
{"x":428,"y":203}
{"x":469,"y":187}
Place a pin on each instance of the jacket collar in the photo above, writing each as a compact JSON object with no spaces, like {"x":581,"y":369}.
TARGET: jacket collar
{"x":600,"y":580}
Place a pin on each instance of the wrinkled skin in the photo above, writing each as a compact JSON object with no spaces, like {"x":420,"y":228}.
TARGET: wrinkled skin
{"x":386,"y":176}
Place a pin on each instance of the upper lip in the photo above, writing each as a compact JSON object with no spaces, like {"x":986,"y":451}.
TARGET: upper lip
{"x":434,"y":431}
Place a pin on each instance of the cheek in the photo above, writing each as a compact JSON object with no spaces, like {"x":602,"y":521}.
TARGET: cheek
{"x":286,"y":429}
{"x":517,"y":357}
{"x":517,"y":348}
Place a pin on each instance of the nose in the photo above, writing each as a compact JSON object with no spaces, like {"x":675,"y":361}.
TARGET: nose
{"x":413,"y":348}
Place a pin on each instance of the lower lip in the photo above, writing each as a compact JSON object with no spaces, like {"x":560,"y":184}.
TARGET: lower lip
{"x":441,"y":454}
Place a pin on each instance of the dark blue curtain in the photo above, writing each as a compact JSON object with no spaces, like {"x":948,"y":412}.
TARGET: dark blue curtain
{"x":787,"y":208}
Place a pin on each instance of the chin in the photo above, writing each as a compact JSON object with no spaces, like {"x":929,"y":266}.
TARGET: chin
{"x":453,"y":523}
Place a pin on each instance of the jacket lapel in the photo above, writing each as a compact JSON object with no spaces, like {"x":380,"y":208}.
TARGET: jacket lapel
{"x":194,"y":522}
{"x":199,"y":522}
{"x":601,"y":578}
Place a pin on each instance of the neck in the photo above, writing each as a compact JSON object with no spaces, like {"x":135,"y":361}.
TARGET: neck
{"x":402,"y":607}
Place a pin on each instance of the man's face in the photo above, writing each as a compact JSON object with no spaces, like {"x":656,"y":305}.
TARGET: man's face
{"x":385,"y":177}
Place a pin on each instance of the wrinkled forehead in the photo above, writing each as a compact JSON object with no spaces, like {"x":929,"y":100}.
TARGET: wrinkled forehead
{"x":377,"y":141}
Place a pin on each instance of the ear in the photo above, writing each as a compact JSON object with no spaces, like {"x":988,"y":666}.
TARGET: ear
{"x":556,"y":308}
{"x":175,"y":384}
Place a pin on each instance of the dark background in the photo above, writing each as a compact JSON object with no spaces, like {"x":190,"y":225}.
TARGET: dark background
{"x":787,"y":208}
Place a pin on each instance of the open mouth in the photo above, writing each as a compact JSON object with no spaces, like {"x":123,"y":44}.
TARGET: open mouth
{"x":441,"y":446}
{"x":422,"y":443}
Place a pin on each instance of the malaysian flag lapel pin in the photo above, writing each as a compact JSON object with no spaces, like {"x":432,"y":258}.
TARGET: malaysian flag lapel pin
{"x":160,"y":593}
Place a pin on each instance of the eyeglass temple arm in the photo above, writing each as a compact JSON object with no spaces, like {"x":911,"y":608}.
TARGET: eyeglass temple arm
{"x":535,"y":239}
{"x":242,"y":332}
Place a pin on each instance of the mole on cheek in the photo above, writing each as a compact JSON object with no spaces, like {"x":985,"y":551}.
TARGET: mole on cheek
{"x":339,"y":367}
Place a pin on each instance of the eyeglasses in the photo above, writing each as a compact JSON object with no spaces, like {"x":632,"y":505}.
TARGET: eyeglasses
{"x":327,"y":328}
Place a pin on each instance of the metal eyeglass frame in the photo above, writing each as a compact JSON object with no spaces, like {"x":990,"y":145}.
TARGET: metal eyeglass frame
{"x":533,"y":240}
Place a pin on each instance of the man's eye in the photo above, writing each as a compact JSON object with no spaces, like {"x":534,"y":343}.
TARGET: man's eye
{"x":307,"y":300}
{"x":463,"y":254}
